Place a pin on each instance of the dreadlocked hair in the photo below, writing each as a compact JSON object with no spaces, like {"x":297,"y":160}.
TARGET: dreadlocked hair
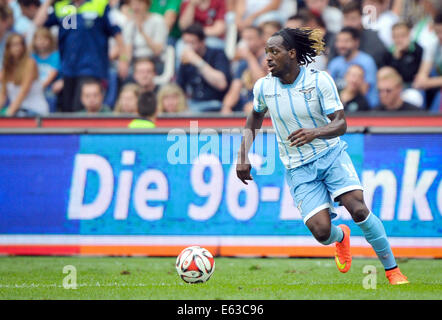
{"x":307,"y":42}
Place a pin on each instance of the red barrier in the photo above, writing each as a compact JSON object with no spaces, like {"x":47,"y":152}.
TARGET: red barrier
{"x":211,"y":122}
{"x":18,"y":122}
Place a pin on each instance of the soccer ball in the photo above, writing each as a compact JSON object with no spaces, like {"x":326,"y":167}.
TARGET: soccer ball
{"x":195,"y":264}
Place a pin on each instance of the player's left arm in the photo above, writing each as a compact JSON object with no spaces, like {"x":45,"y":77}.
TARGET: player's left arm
{"x":337,"y":127}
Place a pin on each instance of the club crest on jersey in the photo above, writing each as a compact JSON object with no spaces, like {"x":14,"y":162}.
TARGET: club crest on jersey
{"x":307,"y":92}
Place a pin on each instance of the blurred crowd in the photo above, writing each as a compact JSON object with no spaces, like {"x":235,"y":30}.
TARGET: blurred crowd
{"x":153,"y":57}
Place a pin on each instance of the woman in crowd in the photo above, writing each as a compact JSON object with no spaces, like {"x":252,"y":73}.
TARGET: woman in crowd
{"x":146,"y":34}
{"x":21,"y":86}
{"x":48,"y":62}
{"x":171,"y":99}
{"x":127,"y":101}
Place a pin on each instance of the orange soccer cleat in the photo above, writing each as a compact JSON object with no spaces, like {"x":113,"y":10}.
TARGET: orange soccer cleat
{"x":343,"y":254}
{"x":395,"y":277}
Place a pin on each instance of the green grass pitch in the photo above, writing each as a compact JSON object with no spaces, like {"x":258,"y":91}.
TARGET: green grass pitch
{"x":234,"y":278}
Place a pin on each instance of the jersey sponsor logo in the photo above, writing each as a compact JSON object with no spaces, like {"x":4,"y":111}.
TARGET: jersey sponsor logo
{"x":272,"y":95}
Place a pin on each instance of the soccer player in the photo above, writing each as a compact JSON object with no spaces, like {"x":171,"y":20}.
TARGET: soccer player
{"x":308,"y":118}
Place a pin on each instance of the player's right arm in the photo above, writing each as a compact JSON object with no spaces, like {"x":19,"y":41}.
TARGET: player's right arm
{"x":253,"y":124}
{"x":331,"y":107}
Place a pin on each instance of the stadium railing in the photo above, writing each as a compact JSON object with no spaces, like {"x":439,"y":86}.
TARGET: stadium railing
{"x":62,"y":120}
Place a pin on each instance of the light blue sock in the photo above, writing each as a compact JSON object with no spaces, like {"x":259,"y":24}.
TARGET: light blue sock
{"x":374,"y":232}
{"x":336,"y":234}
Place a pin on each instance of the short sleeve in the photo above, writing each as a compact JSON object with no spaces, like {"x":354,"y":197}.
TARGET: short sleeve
{"x":429,"y":51}
{"x":55,"y":60}
{"x":220,"y":10}
{"x":328,"y":93}
{"x":111,"y":28}
{"x":333,"y":68}
{"x":259,"y":104}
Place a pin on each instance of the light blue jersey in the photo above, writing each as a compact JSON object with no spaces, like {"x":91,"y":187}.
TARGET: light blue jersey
{"x":320,"y":171}
{"x":303,"y":104}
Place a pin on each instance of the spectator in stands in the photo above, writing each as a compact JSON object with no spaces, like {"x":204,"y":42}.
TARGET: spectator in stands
{"x":146,"y":34}
{"x":249,"y":69}
{"x":369,"y":40}
{"x":24,"y":13}
{"x":405,"y":55}
{"x":92,"y":97}
{"x":10,"y":13}
{"x":331,"y":15}
{"x":123,"y":8}
{"x":269,"y":28}
{"x":254,"y":13}
{"x":83,"y":43}
{"x":170,"y":10}
{"x":287,"y":9}
{"x":311,"y":20}
{"x":46,"y":55}
{"x":353,"y":95}
{"x":347,"y":43}
{"x":144,"y":75}
{"x":430,"y":72}
{"x":423,"y":31}
{"x":297,"y":20}
{"x":147,"y":111}
{"x":171,"y":99}
{"x":5,"y":17}
{"x":204,"y":72}
{"x":380,"y":18}
{"x":127,"y":101}
{"x":119,"y":12}
{"x":208,"y":13}
{"x":114,"y":82}
{"x":341,"y":3}
{"x":390,"y":89}
{"x":20,"y":83}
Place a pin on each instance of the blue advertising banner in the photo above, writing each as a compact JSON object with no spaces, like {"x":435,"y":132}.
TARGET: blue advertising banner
{"x":179,"y":184}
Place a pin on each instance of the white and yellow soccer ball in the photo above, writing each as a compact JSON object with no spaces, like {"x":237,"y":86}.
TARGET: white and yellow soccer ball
{"x":195,"y":264}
